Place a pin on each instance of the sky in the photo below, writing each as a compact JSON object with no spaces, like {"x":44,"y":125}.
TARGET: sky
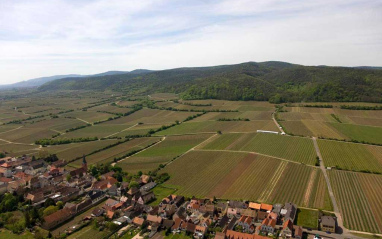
{"x":53,"y":37}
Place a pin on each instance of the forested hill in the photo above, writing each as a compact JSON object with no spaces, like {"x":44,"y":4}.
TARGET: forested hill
{"x":273,"y":81}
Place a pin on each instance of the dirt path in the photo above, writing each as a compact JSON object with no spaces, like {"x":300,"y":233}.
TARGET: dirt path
{"x":277,"y":124}
{"x":309,"y":188}
{"x":11,"y":130}
{"x":121,"y":131}
{"x":84,"y":121}
{"x":340,"y":222}
{"x":272,"y":183}
{"x":253,"y":152}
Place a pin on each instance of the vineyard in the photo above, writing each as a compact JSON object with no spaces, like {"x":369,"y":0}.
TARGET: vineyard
{"x":224,"y":126}
{"x":359,"y":199}
{"x":248,"y":176}
{"x":161,"y":153}
{"x":108,"y":155}
{"x":361,"y":133}
{"x":286,"y":147}
{"x":349,"y":156}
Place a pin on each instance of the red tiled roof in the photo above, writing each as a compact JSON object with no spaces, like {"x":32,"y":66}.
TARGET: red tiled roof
{"x":266,"y":207}
{"x":254,"y":205}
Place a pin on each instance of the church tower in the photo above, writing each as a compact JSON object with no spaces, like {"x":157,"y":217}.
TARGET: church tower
{"x":84,"y":163}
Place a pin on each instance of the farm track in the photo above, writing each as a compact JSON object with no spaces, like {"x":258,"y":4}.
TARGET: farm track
{"x":253,"y":152}
{"x":192,"y":149}
{"x":121,"y":131}
{"x":11,"y":130}
{"x":331,"y":194}
{"x":163,"y":138}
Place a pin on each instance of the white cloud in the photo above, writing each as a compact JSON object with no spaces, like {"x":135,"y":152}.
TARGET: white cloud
{"x":40,"y":38}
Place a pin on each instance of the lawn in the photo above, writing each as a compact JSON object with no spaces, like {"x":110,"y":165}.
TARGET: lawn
{"x":89,"y":232}
{"x":307,"y":218}
{"x":9,"y":235}
{"x":162,"y":192}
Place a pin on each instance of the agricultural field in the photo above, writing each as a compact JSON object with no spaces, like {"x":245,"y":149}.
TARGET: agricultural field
{"x":99,"y":130}
{"x":161,"y":153}
{"x":360,"y":133}
{"x":88,"y":116}
{"x":108,"y":155}
{"x":359,"y":198}
{"x":251,"y":115}
{"x":361,"y":125}
{"x":192,"y":127}
{"x":138,"y":129}
{"x":152,"y":116}
{"x":71,"y":151}
{"x":281,"y":146}
{"x":230,"y":175}
{"x":350,"y":156}
{"x":211,"y":105}
{"x":27,"y":135}
{"x":14,"y":150}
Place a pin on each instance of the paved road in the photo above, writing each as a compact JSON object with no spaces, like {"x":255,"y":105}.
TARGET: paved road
{"x":340,"y":223}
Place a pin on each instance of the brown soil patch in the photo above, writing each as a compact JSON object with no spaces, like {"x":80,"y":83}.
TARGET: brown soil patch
{"x":230,"y":178}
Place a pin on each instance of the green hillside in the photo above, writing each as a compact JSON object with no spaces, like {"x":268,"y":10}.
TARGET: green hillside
{"x":273,"y":81}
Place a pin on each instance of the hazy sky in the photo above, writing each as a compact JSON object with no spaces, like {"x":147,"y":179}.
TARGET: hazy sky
{"x":43,"y":38}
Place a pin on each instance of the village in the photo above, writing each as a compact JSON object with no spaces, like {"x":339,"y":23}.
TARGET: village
{"x":124,"y":206}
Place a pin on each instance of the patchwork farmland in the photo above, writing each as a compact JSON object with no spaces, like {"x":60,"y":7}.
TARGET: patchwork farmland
{"x":247,"y":175}
{"x":215,"y":154}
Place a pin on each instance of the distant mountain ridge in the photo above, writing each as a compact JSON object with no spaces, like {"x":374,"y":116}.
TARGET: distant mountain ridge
{"x":36,"y":82}
{"x":268,"y":81}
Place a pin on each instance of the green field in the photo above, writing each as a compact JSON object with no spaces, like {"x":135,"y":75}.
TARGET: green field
{"x":307,"y":218}
{"x":360,"y":133}
{"x":89,"y":232}
{"x":9,"y":235}
{"x":359,"y":199}
{"x":349,"y":156}
{"x":286,"y":147}
{"x":163,"y":152}
{"x":162,"y":192}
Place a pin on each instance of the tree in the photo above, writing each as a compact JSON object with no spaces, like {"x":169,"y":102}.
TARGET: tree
{"x":49,"y":202}
{"x":133,"y":184}
{"x":68,"y":177}
{"x":140,"y":173}
{"x":49,"y":210}
{"x":60,"y":204}
{"x":27,"y":219}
